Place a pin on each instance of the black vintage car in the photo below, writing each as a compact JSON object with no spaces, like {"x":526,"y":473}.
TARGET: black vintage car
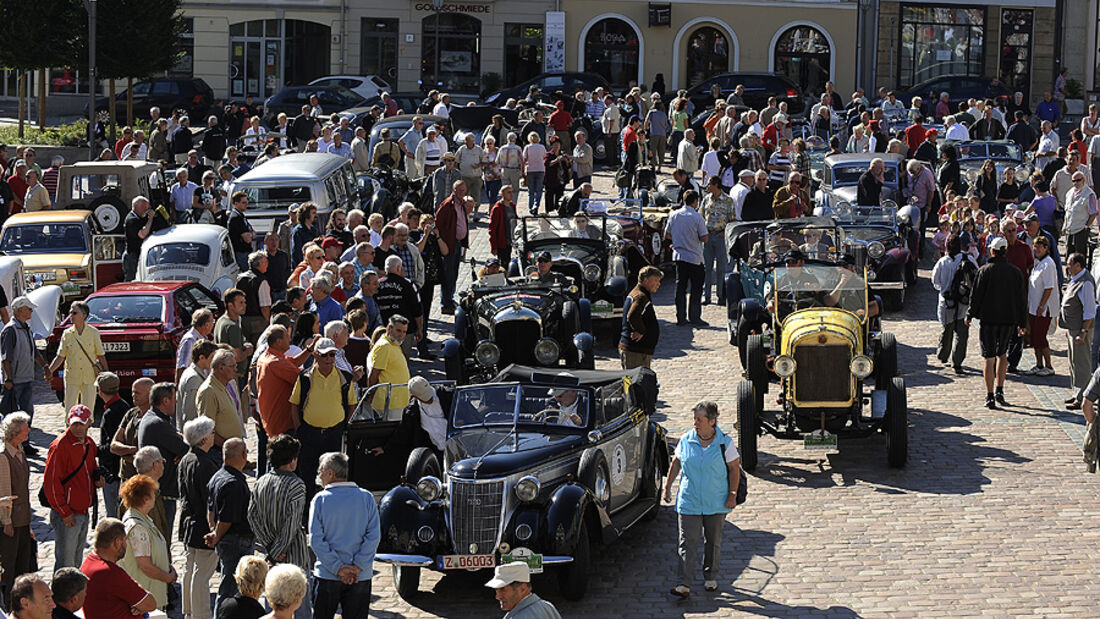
{"x":538,"y":468}
{"x":883,"y":239}
{"x":500,"y":321}
{"x":602,"y":264}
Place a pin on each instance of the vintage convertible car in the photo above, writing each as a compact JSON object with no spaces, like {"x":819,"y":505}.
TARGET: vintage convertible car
{"x":822,"y":340}
{"x":840,"y":175}
{"x":522,"y":320}
{"x":537,"y":467}
{"x":642,"y":226}
{"x":1004,"y":153}
{"x":599,"y":261}
{"x":883,"y":239}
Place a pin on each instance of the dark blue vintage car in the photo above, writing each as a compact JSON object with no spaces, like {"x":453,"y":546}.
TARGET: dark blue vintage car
{"x":885,"y":240}
{"x":538,"y":467}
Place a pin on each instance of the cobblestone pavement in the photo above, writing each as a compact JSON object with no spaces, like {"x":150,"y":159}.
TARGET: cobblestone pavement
{"x":987,"y":519}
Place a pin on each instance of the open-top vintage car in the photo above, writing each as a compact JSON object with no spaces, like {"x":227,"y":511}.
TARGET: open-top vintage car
{"x":501,"y":321}
{"x":840,"y":177}
{"x":1004,"y":153}
{"x":883,"y":239}
{"x":602,"y":265}
{"x":537,"y":467}
{"x":640,"y":225}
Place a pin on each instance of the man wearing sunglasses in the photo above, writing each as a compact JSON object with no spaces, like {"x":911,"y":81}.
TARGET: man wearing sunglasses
{"x":1080,"y":214}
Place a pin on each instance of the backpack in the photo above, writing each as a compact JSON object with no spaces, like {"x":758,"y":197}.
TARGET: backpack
{"x":962,"y":283}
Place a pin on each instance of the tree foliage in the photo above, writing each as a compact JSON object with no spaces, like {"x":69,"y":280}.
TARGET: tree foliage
{"x":135,"y":38}
{"x":41,"y":34}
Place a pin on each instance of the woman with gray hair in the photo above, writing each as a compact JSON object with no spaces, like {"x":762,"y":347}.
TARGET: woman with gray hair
{"x":195,"y":470}
{"x":285,"y":589}
{"x":709,"y":468}
{"x":18,"y":549}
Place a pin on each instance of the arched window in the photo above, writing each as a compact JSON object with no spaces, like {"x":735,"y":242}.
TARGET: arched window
{"x":802,"y":53}
{"x":611,"y":49}
{"x":708,"y":54}
{"x":459,"y":53}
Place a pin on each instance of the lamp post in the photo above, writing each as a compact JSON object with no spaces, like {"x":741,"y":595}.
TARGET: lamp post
{"x":90,"y":6}
{"x":438,"y":5}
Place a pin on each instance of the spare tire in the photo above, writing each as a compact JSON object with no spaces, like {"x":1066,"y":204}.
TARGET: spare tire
{"x":109,"y":212}
{"x":593,"y":474}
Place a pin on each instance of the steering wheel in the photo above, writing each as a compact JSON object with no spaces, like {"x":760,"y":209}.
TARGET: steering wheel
{"x":541,"y":415}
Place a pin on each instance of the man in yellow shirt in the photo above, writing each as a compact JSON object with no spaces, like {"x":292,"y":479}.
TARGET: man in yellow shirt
{"x":216,"y":401}
{"x":388,"y":365}
{"x":323,"y":398}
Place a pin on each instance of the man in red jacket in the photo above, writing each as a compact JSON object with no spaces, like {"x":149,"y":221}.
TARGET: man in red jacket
{"x":70,"y":488}
{"x":453,"y":225}
{"x":502,"y":221}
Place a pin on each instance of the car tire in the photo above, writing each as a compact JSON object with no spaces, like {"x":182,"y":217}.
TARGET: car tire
{"x":406,"y":579}
{"x":573,"y":576}
{"x":452,"y":367}
{"x":897,"y":424}
{"x":422,"y":463}
{"x":755,"y":366}
{"x":594,"y":474}
{"x":651,"y":484}
{"x":886,"y":366}
{"x":109,"y":212}
{"x":747,"y":423}
{"x":570,"y":318}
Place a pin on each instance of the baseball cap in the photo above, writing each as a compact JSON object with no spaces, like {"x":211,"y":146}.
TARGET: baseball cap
{"x":330,"y":242}
{"x":746,"y":173}
{"x":780,"y":118}
{"x":544,"y":256}
{"x":504,"y":575}
{"x":493,"y":260}
{"x":998,"y":244}
{"x":324,"y":346}
{"x":80,"y":414}
{"x":1031,"y":217}
{"x":23,"y":302}
{"x":420,"y":388}
{"x":107,"y":381}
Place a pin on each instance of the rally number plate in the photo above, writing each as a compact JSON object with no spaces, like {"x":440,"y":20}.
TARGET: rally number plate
{"x":819,"y":441}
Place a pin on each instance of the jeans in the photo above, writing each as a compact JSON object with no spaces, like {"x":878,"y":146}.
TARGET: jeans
{"x":961,"y":333}
{"x":19,"y":398}
{"x":427,"y":293}
{"x":230,"y":550}
{"x":242,"y":260}
{"x":129,"y":266}
{"x":689,"y":279}
{"x":198,"y":571}
{"x":534,"y":190}
{"x":450,"y":279}
{"x":110,"y":499}
{"x":714,"y":262}
{"x":492,"y":190}
{"x":328,"y":595}
{"x":553,"y":199}
{"x":69,"y":544}
{"x":316,"y":442}
{"x":692,"y":527}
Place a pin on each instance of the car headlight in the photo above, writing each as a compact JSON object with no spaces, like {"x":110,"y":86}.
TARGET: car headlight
{"x":487,"y":353}
{"x":785,"y":366}
{"x":546,"y":351}
{"x":876,"y":249}
{"x":890,"y":203}
{"x":871,"y":276}
{"x":971,"y":176}
{"x":527,"y":489}
{"x":429,"y":488}
{"x":861,"y":366}
{"x":591,"y":273}
{"x":1021,"y":175}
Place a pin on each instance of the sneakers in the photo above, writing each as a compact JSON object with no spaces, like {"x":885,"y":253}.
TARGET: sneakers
{"x":710,"y":585}
{"x":1035,"y":371}
{"x":1000,"y":397}
{"x":1045,"y":372}
{"x":990,"y":402}
{"x":681,"y":591}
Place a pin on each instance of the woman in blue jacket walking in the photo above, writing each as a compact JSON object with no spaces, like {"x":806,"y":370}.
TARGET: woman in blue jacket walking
{"x":709,"y":469}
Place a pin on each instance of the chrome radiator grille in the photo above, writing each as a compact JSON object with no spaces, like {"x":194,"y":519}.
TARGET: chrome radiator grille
{"x":475,"y":515}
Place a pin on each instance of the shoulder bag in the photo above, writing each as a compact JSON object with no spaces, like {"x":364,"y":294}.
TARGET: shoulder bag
{"x":42,"y":491}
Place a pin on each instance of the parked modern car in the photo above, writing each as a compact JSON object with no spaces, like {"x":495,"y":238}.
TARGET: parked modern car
{"x":141,"y":324}
{"x":327,"y":180}
{"x":366,"y":86}
{"x":105,"y":188}
{"x":66,"y":248}
{"x":190,"y":96}
{"x":757,"y":87}
{"x":959,"y":88}
{"x":191,"y":252}
{"x":540,"y":467}
{"x":549,"y":83}
{"x":399,"y":124}
{"x":291,"y":99}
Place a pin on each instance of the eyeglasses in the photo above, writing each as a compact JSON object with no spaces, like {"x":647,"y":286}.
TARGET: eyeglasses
{"x":328,"y":354}
{"x":1078,"y":180}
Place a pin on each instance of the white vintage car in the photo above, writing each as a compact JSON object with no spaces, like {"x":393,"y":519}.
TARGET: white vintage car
{"x":47,"y":298}
{"x":192,"y":252}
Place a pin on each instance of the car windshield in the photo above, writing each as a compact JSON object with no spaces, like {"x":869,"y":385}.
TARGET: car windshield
{"x":862,"y":215}
{"x":276,"y":198}
{"x":178,"y":253}
{"x":44,"y":239}
{"x":526,"y":404}
{"x":989,"y":150}
{"x":580,"y":226}
{"x":126,"y":308}
{"x":868,"y":233}
{"x":845,"y":175}
{"x":805,"y":286}
{"x":90,"y":186}
{"x":815,"y":243}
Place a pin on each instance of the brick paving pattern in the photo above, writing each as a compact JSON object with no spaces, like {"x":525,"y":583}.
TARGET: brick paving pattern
{"x":989,"y":517}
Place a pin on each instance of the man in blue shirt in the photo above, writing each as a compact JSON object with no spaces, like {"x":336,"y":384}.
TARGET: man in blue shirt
{"x":687,"y":230}
{"x":326,"y":307}
{"x":343,"y":533}
{"x":1048,"y":109}
{"x":18,"y":356}
{"x":368,"y":285}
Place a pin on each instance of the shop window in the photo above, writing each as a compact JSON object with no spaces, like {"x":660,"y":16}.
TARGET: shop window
{"x":458,"y":55}
{"x":708,"y":54}
{"x":802,"y":53}
{"x":378,"y":51}
{"x":185,"y":65}
{"x":611,"y":49}
{"x":522,"y":52}
{"x":940,"y":40}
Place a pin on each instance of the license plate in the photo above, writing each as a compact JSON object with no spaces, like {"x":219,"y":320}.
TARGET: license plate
{"x":70,"y":288}
{"x":819,"y":441}
{"x":116,"y":346}
{"x":465,"y":562}
{"x":602,"y":307}
{"x":533,"y":561}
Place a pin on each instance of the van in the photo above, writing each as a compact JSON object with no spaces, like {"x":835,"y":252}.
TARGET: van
{"x":324,"y":179}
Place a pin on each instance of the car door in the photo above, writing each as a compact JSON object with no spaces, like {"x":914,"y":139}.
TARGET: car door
{"x":106,"y":258}
{"x":225,"y":269}
{"x":624,"y":439}
{"x":165,"y":94}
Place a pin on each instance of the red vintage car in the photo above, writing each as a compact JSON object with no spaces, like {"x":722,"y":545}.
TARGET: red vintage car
{"x":141,"y":324}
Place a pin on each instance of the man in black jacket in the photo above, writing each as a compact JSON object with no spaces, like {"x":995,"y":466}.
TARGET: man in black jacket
{"x":758,"y":202}
{"x":181,"y":140}
{"x":213,"y":142}
{"x":869,"y":190}
{"x":640,"y":326}
{"x":999,"y":300}
{"x":301,"y":129}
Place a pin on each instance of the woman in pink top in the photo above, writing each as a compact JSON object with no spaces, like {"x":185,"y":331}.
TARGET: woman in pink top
{"x":534,"y":169}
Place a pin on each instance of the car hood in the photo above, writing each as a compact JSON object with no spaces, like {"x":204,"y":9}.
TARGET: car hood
{"x":33,"y":262}
{"x":503,"y":456}
{"x":845,"y":194}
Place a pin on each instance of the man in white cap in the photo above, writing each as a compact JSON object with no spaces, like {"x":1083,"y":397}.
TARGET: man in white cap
{"x":18,"y":356}
{"x":424,"y":421}
{"x":512,"y":582}
{"x":568,"y":403}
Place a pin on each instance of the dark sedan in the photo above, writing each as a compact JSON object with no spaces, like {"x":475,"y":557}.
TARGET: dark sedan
{"x":190,"y":96}
{"x":958,"y":87}
{"x":757,"y":88}
{"x":567,"y":83}
{"x":291,"y":99}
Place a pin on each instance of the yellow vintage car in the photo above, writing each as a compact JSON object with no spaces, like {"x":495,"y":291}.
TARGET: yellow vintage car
{"x":824,"y":346}
{"x":64,"y":248}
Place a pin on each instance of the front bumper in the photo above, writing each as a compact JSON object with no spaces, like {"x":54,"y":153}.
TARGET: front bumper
{"x":880,"y":285}
{"x":426,"y":561}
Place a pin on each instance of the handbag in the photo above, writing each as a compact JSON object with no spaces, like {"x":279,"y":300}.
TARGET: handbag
{"x":95,"y":364}
{"x":743,"y":481}
{"x":42,"y":491}
{"x":623,"y":178}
